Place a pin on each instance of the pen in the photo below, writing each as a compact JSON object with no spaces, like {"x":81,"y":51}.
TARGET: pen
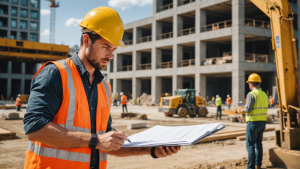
{"x":117,"y":131}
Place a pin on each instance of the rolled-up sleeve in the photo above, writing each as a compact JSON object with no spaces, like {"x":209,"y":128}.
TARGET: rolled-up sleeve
{"x":45,"y":99}
{"x":249,"y":103}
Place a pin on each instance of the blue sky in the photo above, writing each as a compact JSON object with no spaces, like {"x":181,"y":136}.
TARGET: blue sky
{"x":129,"y":10}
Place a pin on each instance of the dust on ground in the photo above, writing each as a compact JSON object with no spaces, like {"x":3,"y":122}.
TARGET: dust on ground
{"x":211,"y":155}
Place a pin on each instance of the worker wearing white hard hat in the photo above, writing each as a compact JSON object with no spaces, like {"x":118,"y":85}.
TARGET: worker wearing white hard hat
{"x":18,"y":102}
{"x":219,"y":106}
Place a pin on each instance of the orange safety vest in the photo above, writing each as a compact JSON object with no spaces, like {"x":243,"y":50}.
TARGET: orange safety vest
{"x":18,"y":101}
{"x":73,"y":115}
{"x":271,"y":101}
{"x":228,"y":100}
{"x":123,"y":99}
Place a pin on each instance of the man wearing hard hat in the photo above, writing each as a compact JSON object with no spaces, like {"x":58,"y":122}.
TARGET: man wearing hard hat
{"x":18,"y":103}
{"x":68,"y":122}
{"x":219,"y":107}
{"x":256,"y":115}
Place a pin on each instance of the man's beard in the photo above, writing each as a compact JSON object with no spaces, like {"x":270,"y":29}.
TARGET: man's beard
{"x":94,"y":62}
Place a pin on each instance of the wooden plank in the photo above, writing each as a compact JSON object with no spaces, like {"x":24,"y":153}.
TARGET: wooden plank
{"x":5,"y":134}
{"x":228,"y":135}
{"x":237,"y":130}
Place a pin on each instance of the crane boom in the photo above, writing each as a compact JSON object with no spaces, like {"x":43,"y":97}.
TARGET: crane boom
{"x":284,"y":45}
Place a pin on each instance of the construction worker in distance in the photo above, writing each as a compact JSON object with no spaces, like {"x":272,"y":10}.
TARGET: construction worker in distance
{"x":228,"y":101}
{"x":219,"y":106}
{"x":116,"y":99}
{"x":271,"y":102}
{"x":256,"y":115}
{"x":123,"y":101}
{"x":68,"y":121}
{"x":213,"y":100}
{"x":18,"y":103}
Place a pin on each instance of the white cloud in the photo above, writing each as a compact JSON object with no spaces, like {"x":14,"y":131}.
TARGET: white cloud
{"x":124,"y":4}
{"x":73,"y":22}
{"x":46,"y":32}
{"x":45,"y":12}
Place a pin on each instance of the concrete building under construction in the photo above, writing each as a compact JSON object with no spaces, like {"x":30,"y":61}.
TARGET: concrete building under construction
{"x":211,"y":46}
{"x":21,"y":54}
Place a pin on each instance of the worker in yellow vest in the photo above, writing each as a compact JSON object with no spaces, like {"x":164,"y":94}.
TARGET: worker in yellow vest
{"x":67,"y":120}
{"x":18,"y":103}
{"x":219,"y":106}
{"x":256,"y":115}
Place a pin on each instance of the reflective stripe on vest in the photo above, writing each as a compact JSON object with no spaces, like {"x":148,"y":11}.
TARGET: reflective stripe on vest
{"x":73,"y":115}
{"x":260,"y":108}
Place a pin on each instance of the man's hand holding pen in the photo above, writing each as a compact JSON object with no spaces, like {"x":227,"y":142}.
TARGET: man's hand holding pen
{"x":111,"y":141}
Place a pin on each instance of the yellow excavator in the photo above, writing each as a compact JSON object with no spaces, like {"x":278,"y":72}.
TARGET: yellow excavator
{"x":287,"y":151}
{"x":184,"y":103}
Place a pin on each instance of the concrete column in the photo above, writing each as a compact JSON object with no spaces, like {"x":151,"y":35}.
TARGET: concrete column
{"x":9,"y":67}
{"x":158,"y":58}
{"x":114,"y":88}
{"x":138,"y":34}
{"x":118,"y":86}
{"x":202,"y":85}
{"x":175,"y":28}
{"x":179,"y":82}
{"x":136,"y":90}
{"x":238,"y":37}
{"x":175,"y":55}
{"x":119,"y":62}
{"x":202,"y":20}
{"x":154,"y":31}
{"x":197,"y":21}
{"x":158,"y":29}
{"x":23,"y":78}
{"x":137,"y":60}
{"x":115,"y":60}
{"x":197,"y":54}
{"x":179,"y":55}
{"x":202,"y":48}
{"x":9,"y":70}
{"x":134,"y":61}
{"x":155,"y":89}
{"x":179,"y":25}
{"x":134,"y":35}
{"x":238,"y":86}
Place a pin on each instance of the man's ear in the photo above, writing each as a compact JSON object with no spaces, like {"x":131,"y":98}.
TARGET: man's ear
{"x":85,"y":40}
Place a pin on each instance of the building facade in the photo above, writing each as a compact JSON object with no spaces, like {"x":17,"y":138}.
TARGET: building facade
{"x":211,"y":46}
{"x":20,"y":20}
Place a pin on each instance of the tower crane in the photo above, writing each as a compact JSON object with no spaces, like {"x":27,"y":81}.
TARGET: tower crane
{"x":53,"y":5}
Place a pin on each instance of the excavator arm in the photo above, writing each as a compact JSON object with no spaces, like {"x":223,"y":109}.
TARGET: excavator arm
{"x":284,"y":45}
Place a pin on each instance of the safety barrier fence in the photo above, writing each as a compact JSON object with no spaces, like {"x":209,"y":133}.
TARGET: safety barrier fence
{"x":146,"y":66}
{"x":253,"y":57}
{"x":145,"y":39}
{"x":165,"y":64}
{"x":166,"y":7}
{"x":165,"y":35}
{"x":187,"y":31}
{"x":188,"y":62}
{"x":183,"y":2}
{"x":125,"y":68}
{"x":217,"y":25}
{"x":257,"y":23}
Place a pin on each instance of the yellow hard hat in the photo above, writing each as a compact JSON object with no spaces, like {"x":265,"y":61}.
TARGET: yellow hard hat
{"x":254,"y":78}
{"x":107,"y":23}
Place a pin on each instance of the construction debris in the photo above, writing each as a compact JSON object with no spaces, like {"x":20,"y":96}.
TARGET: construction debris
{"x":145,"y":99}
{"x":136,"y":125}
{"x":6,"y":135}
{"x":134,"y":115}
{"x":10,"y":115}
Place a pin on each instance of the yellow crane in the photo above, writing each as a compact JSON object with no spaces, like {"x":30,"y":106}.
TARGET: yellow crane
{"x":284,"y":44}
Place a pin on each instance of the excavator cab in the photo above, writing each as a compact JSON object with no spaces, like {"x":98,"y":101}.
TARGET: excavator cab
{"x":188,"y":95}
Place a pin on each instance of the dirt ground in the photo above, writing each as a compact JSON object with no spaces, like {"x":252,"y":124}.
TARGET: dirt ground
{"x":212,"y":155}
